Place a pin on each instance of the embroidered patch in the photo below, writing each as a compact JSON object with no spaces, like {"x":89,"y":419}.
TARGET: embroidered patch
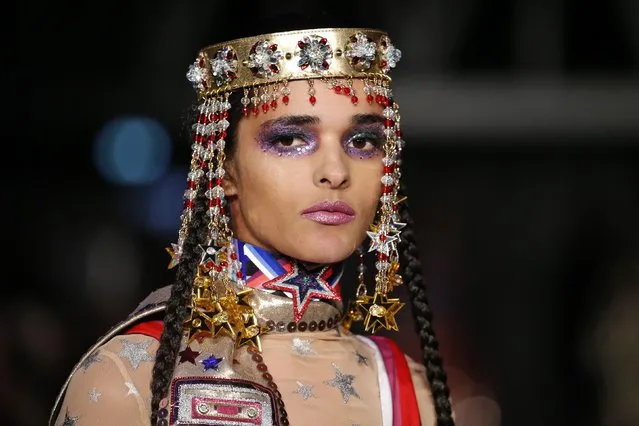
{"x":221,"y":402}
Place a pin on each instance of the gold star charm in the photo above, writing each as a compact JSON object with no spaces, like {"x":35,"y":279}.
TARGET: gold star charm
{"x":380,"y":312}
{"x":250,"y":333}
{"x":174,"y":251}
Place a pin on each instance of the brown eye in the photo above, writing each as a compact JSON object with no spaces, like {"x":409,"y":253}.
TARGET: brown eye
{"x":359,"y":143}
{"x":286,"y":141}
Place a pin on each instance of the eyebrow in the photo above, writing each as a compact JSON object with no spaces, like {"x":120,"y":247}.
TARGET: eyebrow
{"x":306,"y":120}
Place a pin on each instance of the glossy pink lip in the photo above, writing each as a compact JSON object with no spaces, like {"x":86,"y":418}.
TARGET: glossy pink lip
{"x":330,"y":213}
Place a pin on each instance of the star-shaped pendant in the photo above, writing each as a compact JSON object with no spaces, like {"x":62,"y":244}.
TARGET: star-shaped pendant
{"x":343,"y":382}
{"x":303,"y":286}
{"x":380,"y":313}
{"x":211,"y":362}
{"x":250,"y":333}
{"x":188,"y":355}
{"x":381,"y":241}
{"x":175,"y":251}
{"x":68,"y":420}
{"x":135,"y":353}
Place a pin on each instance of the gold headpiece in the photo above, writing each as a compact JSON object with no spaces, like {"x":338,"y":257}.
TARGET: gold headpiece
{"x":293,"y":55}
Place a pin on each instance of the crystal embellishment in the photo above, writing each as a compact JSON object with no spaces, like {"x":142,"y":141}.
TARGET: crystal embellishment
{"x":198,"y":74}
{"x":314,"y":53}
{"x":264,"y":59}
{"x":361,"y":51}
{"x":224,"y":66}
{"x":390,"y":55}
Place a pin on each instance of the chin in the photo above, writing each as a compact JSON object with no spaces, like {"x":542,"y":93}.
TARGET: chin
{"x":326,"y":247}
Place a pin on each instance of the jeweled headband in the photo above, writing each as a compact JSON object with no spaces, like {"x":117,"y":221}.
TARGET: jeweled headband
{"x":293,"y":55}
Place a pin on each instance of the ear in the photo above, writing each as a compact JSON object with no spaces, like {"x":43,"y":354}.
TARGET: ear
{"x":229,"y":183}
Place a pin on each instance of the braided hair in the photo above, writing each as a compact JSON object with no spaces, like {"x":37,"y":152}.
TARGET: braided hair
{"x":423,"y":317}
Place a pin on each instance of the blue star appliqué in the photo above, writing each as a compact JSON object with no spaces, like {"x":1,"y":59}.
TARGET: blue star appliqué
{"x":303,"y":287}
{"x":211,"y":362}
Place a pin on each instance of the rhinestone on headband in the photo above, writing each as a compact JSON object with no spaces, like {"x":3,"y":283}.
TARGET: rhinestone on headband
{"x":294,"y":55}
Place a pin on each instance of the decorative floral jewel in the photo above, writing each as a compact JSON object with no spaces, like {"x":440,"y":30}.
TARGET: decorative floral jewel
{"x":211,"y":362}
{"x":390,"y":55}
{"x":198,"y":74}
{"x":224,"y":66}
{"x":361,"y":51}
{"x":314,"y":52}
{"x":264,"y":58}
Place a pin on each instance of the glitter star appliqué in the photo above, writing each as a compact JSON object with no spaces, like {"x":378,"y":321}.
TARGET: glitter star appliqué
{"x":303,"y":287}
{"x":305,"y":391}
{"x":211,"y":362}
{"x":89,"y":360}
{"x":68,"y":420}
{"x":302,"y":346}
{"x":343,"y":382}
{"x":94,"y":395}
{"x":132,"y":390}
{"x":135,"y":353}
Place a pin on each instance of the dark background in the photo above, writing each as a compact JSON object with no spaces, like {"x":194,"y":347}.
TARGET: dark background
{"x":521,"y":119}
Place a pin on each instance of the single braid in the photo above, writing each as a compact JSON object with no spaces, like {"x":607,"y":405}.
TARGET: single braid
{"x":177,"y":308}
{"x":414,"y":280}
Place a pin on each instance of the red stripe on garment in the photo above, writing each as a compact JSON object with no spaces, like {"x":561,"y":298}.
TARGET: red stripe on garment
{"x":405,"y":408}
{"x":148,"y":328}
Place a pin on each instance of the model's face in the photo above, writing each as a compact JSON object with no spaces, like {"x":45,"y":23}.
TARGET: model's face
{"x":291,"y":160}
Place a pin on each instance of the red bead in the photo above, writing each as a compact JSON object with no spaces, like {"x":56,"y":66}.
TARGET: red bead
{"x":188,"y":204}
{"x":285,"y":99}
{"x":389,"y":122}
{"x":354,"y":99}
{"x":265,"y":108}
{"x":245,"y":111}
{"x":338,"y":89}
{"x":347,"y":91}
{"x":225,"y":114}
{"x":233,"y":256}
{"x":370,"y":99}
{"x":256,"y":111}
{"x":312,"y":100}
{"x":211,"y":203}
{"x":239,"y":274}
{"x":300,"y":44}
{"x":218,"y":181}
{"x":273,"y":104}
{"x":223,"y":134}
{"x":209,"y":184}
{"x":387,"y":169}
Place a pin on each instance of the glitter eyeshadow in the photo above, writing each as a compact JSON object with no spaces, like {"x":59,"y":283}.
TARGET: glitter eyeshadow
{"x":270,"y":135}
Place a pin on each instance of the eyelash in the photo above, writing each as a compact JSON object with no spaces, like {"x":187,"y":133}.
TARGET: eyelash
{"x":275,"y":142}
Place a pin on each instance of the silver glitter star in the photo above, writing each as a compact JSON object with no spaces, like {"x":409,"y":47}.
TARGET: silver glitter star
{"x":135,"y":352}
{"x":305,"y":391}
{"x":69,"y":421}
{"x":92,"y":358}
{"x":94,"y":395}
{"x":343,"y":382}
{"x":302,"y":346}
{"x":132,"y":389}
{"x":361,"y":359}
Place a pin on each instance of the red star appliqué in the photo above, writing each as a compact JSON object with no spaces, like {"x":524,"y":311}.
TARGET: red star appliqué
{"x":303,"y":286}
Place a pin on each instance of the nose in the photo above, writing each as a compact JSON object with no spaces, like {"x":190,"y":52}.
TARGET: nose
{"x":332,"y":169}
